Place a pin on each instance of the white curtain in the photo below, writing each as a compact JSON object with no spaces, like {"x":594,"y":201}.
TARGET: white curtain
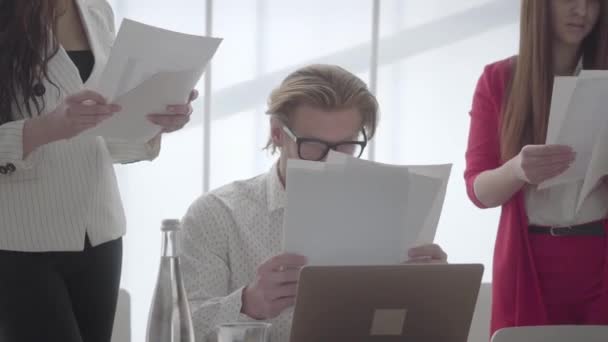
{"x":430,"y":55}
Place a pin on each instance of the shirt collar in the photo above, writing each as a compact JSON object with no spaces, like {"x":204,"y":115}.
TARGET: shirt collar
{"x":276,"y":196}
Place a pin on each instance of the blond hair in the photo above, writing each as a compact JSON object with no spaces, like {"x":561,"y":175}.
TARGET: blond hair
{"x":328,"y":87}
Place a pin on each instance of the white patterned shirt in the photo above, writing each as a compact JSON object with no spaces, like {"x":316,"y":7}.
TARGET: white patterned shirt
{"x":227,"y":234}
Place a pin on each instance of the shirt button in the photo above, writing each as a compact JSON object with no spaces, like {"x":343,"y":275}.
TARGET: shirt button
{"x":39,"y":89}
{"x":10,"y":168}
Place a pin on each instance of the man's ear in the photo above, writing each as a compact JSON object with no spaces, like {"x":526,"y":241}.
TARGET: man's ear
{"x":276,"y":132}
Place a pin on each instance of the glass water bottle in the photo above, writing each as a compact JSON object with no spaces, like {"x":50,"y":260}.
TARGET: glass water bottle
{"x":169,"y":319}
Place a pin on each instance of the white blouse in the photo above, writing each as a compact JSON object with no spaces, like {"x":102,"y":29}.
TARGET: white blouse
{"x":226,"y":235}
{"x":555,"y":206}
{"x":65,"y":189}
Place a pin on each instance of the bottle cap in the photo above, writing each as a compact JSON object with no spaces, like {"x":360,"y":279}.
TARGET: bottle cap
{"x":170,"y":225}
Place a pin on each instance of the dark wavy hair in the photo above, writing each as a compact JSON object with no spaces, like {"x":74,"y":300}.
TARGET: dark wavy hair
{"x":26,"y":46}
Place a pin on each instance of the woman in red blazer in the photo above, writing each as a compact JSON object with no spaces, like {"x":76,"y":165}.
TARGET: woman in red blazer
{"x":549,"y":261}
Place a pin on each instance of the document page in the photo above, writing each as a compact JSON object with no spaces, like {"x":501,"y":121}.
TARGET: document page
{"x":148,"y":69}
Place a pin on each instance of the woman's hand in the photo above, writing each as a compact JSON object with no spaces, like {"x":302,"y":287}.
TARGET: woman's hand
{"x":176,"y":117}
{"x":538,"y":163}
{"x":79,"y":112}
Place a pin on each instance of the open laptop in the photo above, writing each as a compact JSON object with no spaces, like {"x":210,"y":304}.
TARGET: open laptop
{"x":405,"y":303}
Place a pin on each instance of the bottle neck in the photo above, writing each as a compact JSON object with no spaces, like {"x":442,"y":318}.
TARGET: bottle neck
{"x":169,"y":244}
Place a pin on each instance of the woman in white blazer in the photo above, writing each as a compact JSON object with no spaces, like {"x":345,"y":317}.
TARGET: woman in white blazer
{"x":61,"y":218}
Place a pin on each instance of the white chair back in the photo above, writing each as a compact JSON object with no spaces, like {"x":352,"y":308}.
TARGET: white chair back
{"x":480,"y":326}
{"x":122,"y":321}
{"x":555,"y":333}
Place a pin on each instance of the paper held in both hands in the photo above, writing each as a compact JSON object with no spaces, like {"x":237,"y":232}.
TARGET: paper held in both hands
{"x":148,"y":69}
{"x":348,"y":211}
{"x":579,"y":118}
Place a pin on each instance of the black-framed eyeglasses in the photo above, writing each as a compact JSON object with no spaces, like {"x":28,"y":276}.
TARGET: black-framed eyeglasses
{"x":316,"y":149}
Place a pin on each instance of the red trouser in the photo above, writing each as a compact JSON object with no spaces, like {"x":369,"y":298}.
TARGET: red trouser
{"x":570,"y":271}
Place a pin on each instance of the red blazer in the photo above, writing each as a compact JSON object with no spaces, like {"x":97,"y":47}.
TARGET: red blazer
{"x":516,"y":296}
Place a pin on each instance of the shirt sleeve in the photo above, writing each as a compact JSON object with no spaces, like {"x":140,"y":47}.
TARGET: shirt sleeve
{"x":206,"y":270}
{"x":11,"y":148}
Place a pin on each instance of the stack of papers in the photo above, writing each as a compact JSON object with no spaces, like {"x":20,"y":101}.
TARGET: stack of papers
{"x":148,"y":69}
{"x":348,"y":211}
{"x":579,"y":118}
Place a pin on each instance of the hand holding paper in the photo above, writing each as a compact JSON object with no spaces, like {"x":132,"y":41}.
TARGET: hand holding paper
{"x":176,"y":118}
{"x":538,"y":163}
{"x":348,"y":211}
{"x":579,"y":119}
{"x":274,"y":288}
{"x":148,"y":69}
{"x":77,"y":113}
{"x":427,"y":254}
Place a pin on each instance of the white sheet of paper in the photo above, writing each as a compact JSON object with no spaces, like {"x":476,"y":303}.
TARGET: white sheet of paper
{"x":428,"y":186}
{"x":346,"y":215}
{"x":581,"y":125}
{"x":441,"y":175}
{"x":148,"y":69}
{"x":348,"y":211}
{"x":598,"y":166}
{"x":131,"y":124}
{"x":563,"y":88}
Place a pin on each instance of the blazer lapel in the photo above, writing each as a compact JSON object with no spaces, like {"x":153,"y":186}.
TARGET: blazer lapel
{"x":62,"y":68}
{"x":96,"y":33}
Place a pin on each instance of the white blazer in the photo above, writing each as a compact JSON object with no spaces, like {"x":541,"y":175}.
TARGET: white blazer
{"x":66,"y":189}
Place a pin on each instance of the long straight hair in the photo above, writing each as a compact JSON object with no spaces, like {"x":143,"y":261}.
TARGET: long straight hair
{"x":26,"y":46}
{"x":525,"y":113}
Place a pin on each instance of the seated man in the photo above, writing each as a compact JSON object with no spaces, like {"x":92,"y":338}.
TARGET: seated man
{"x":232,"y":263}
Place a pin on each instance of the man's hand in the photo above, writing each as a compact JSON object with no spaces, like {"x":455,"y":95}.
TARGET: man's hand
{"x":274,"y":288}
{"x":427,"y":254}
